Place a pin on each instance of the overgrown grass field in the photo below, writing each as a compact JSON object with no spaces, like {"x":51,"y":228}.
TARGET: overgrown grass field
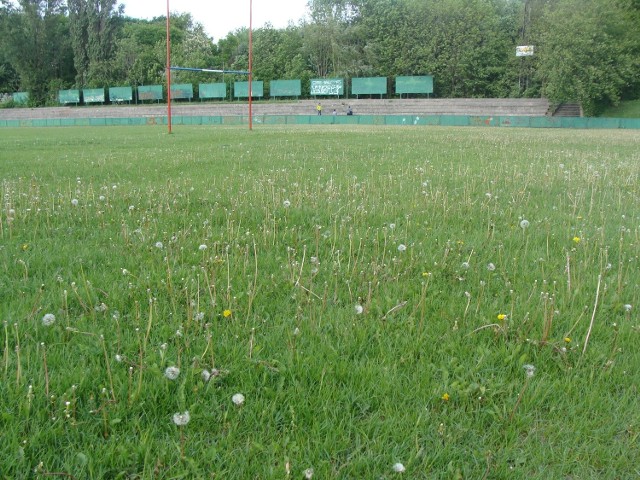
{"x":348,"y":303}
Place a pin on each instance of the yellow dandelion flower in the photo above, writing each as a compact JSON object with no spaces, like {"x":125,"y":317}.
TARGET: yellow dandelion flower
{"x":567,"y":339}
{"x":445,"y":397}
{"x":576,"y":239}
{"x":426,"y":274}
{"x":226,"y":313}
{"x":25,"y":247}
{"x":501,"y":316}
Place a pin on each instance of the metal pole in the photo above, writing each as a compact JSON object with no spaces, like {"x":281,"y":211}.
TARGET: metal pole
{"x":168,"y":71}
{"x":250,"y":63}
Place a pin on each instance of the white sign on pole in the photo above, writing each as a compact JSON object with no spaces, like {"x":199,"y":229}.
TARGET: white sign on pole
{"x":524,"y":51}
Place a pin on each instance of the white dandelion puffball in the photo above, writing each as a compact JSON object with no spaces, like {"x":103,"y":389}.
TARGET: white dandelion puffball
{"x":172,"y":373}
{"x":286,"y":204}
{"x":238,"y":399}
{"x":627,"y":307}
{"x":102,"y":198}
{"x":465,"y":265}
{"x":398,"y":467}
{"x":530,"y":370}
{"x":202,"y":247}
{"x":308,"y":474}
{"x":359,"y":309}
{"x":402,"y":247}
{"x":48,"y":319}
{"x":159,"y":245}
{"x":491,"y":267}
{"x":524,"y":223}
{"x":392,"y":226}
{"x":206,"y":375}
{"x":181,"y":419}
{"x":74,"y":202}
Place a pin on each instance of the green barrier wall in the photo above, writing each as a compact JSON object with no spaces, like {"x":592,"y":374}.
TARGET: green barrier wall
{"x":369,"y":86}
{"x":414,"y":84}
{"x":182,"y":91}
{"x":150,"y":92}
{"x":327,"y":86}
{"x":391,"y":120}
{"x":93,"y":95}
{"x":120,"y":94}
{"x":241,"y":89}
{"x":212,"y":90}
{"x":69,"y":96}
{"x":285,"y":88}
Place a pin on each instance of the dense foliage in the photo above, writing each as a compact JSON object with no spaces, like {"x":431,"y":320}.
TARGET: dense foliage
{"x":586,"y":51}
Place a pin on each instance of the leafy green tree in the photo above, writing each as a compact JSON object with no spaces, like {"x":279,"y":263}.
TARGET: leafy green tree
{"x":93,"y":25}
{"x":588,"y":53}
{"x":36,"y":41}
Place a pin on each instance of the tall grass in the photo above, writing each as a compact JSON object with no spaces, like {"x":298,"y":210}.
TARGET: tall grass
{"x":427,"y":302}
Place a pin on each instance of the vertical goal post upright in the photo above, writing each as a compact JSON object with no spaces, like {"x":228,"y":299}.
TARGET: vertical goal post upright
{"x":209,"y":70}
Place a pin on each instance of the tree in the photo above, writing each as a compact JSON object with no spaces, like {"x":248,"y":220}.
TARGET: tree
{"x":93,"y":37}
{"x":36,"y":40}
{"x":588,"y":53}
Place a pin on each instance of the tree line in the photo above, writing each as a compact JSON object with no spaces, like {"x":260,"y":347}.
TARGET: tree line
{"x":584,"y":50}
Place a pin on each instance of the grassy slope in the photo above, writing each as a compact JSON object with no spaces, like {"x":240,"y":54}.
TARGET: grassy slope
{"x":301,"y":225}
{"x":628,"y":109}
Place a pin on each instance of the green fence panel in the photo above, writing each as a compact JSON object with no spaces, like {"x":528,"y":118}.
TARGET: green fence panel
{"x":241,"y":89}
{"x":212,"y":90}
{"x":21,"y":98}
{"x":120,"y":94}
{"x":150,"y":92}
{"x":93,"y":95}
{"x":414,"y":84}
{"x":630,"y":123}
{"x":285,"y":88}
{"x":182,"y":91}
{"x":69,"y":96}
{"x":603,"y":122}
{"x":369,"y":86}
{"x":327,"y":87}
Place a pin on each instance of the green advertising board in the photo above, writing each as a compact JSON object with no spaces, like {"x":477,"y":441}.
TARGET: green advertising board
{"x":182,"y":91}
{"x":369,"y":86}
{"x":69,"y":96}
{"x":241,"y":89}
{"x":327,"y":86}
{"x":212,"y":90}
{"x":150,"y":92}
{"x":21,"y":98}
{"x":93,"y":95}
{"x":285,"y":88}
{"x":414,"y":84}
{"x":120,"y":94}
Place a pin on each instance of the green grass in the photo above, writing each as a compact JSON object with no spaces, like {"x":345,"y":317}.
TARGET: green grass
{"x":420,"y":227}
{"x":627,"y":109}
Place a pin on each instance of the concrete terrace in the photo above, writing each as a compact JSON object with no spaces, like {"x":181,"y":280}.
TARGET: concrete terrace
{"x":459,"y":106}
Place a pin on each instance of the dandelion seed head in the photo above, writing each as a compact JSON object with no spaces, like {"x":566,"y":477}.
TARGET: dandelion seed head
{"x":202,"y":247}
{"x":524,"y":223}
{"x":308,"y":474}
{"x":238,"y":399}
{"x":206,"y":375}
{"x":491,"y":267}
{"x":398,"y":467}
{"x":181,"y":419}
{"x":402,"y":247}
{"x":74,"y":202}
{"x":529,"y":369}
{"x":627,"y":307}
{"x":359,"y":309}
{"x":286,"y":204}
{"x":48,"y":319}
{"x":465,"y":265}
{"x":159,"y":245}
{"x":172,"y":372}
